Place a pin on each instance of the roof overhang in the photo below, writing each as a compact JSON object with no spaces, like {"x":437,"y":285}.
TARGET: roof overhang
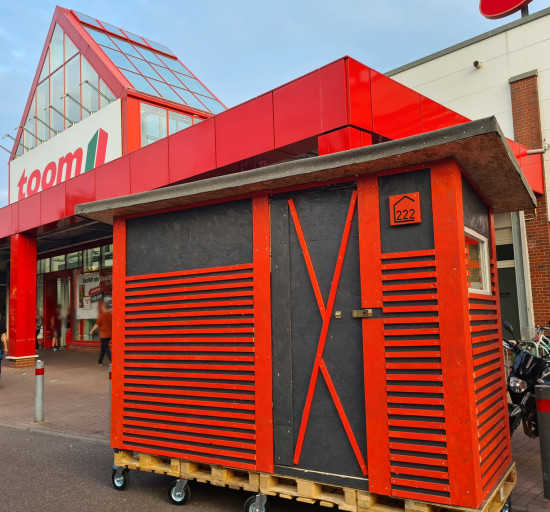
{"x":479,"y":147}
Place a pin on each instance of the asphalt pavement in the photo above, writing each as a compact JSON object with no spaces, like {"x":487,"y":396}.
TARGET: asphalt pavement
{"x":49,"y":472}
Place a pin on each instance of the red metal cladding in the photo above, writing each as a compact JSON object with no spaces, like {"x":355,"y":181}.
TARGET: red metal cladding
{"x":435,"y":116}
{"x":395,"y":108}
{"x":245,"y":131}
{"x":360,"y":100}
{"x":340,"y":140}
{"x":112,"y":179}
{"x":28,"y":213}
{"x":192,"y":151}
{"x":149,"y":167}
{"x":52,"y":203}
{"x":78,"y":191}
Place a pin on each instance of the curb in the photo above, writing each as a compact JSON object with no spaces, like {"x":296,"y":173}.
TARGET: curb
{"x":96,"y":440}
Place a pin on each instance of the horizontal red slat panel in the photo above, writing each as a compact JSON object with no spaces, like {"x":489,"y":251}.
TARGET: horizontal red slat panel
{"x":410,"y":332}
{"x":413,"y":275}
{"x":414,"y":389}
{"x":479,"y":296}
{"x":189,"y":456}
{"x":411,"y":423}
{"x":191,"y":331}
{"x":413,"y":366}
{"x":189,"y":438}
{"x":416,"y":435}
{"x":169,"y":283}
{"x":187,"y":375}
{"x":409,"y":309}
{"x":420,"y":484}
{"x":415,"y":377}
{"x":411,"y":343}
{"x":185,"y":289}
{"x":410,"y":254}
{"x":189,"y":384}
{"x":202,"y":321}
{"x":407,"y":298}
{"x":416,"y":412}
{"x":189,"y":448}
{"x":418,"y":448}
{"x":186,"y":348}
{"x":429,"y":461}
{"x":179,"y":357}
{"x":416,"y":400}
{"x":209,"y":422}
{"x":416,"y":286}
{"x":187,"y":392}
{"x":421,"y":496}
{"x":212,"y":270}
{"x":412,"y":355}
{"x":224,"y":340}
{"x":435,"y":473}
{"x":190,"y":296}
{"x":213,"y":367}
{"x":197,"y":412}
{"x":410,"y":264}
{"x":188,"y":305}
{"x":193,"y":403}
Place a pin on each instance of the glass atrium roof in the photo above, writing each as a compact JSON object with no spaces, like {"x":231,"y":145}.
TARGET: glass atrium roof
{"x":150,"y":67}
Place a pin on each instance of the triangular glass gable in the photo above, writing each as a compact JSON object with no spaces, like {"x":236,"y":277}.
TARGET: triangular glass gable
{"x":67,"y":91}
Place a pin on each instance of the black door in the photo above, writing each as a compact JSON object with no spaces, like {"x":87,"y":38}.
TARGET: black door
{"x":319,"y":411}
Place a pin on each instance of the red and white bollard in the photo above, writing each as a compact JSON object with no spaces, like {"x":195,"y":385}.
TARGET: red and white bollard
{"x":39,"y":392}
{"x":542,"y":394}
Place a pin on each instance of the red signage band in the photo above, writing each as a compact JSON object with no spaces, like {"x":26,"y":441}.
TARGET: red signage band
{"x":494,"y":9}
{"x":543,"y":405}
{"x":39,"y":371}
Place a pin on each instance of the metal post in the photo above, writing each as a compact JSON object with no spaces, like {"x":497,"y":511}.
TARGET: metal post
{"x":543,"y":417}
{"x":39,"y":392}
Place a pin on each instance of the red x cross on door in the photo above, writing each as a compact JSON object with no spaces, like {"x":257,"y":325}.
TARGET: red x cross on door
{"x":326,"y":314}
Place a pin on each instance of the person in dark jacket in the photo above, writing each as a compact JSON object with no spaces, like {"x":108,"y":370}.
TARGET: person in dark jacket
{"x":105,"y":325}
{"x":3,"y":340}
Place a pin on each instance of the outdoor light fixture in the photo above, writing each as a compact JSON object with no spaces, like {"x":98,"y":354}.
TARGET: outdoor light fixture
{"x":15,"y":140}
{"x":78,"y":103}
{"x":97,"y":90}
{"x":60,"y":113}
{"x":45,"y":124}
{"x":30,"y":133}
{"x":477,"y":64}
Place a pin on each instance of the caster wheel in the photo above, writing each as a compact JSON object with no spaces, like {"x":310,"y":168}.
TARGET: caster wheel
{"x":179,"y":496}
{"x":250,"y":505}
{"x":507,"y":506}
{"x":121,"y":480}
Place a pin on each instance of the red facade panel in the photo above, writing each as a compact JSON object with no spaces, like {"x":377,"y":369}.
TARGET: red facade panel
{"x":296,"y":110}
{"x":340,"y":140}
{"x":334,"y":92}
{"x":5,"y":222}
{"x":149,"y":167}
{"x":395,"y":108}
{"x":52,"y":204}
{"x":112,"y":179}
{"x":245,"y":131}
{"x":192,"y":151}
{"x":360,"y":101}
{"x":29,"y":213}
{"x":77,"y":191}
{"x":436,"y":116}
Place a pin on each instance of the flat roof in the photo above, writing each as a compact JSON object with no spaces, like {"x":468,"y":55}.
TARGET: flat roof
{"x":479,"y":147}
{"x":469,"y":42}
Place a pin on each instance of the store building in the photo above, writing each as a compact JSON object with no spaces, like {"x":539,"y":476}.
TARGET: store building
{"x":506,"y":73}
{"x":112,"y":114}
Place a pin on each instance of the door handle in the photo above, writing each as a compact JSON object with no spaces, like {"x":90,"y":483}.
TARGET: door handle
{"x":361,"y":313}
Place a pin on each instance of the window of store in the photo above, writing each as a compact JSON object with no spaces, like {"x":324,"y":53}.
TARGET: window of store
{"x":477,"y":262}
{"x":58,"y":263}
{"x":107,"y":256}
{"x":92,"y":259}
{"x":74,"y":260}
{"x":157,"y":122}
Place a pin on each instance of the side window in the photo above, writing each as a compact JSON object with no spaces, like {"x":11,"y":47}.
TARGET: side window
{"x":477,"y":262}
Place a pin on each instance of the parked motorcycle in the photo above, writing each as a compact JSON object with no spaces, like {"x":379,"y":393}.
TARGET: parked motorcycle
{"x":527,"y":371}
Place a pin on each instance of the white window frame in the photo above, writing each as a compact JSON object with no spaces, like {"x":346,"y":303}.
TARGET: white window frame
{"x":484,"y":263}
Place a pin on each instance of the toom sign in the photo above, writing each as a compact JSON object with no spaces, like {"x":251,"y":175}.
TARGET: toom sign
{"x":80,"y":148}
{"x":494,"y":9}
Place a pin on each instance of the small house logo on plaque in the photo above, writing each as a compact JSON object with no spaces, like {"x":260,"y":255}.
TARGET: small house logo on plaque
{"x":405,"y":209}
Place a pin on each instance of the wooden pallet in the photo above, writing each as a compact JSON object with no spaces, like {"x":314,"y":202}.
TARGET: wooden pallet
{"x":306,"y":491}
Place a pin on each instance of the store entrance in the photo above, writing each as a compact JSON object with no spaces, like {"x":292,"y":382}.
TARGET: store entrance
{"x":57,"y":292}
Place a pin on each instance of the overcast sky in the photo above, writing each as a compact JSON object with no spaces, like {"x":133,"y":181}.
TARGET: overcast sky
{"x":242,"y":48}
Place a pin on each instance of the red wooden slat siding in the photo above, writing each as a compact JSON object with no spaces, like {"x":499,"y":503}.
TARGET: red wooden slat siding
{"x":189,"y":365}
{"x":416,"y":419}
{"x":490,"y":383}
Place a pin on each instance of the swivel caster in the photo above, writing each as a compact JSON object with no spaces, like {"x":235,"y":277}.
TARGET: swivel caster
{"x":120,"y":478}
{"x":179,"y":492}
{"x":256,"y":503}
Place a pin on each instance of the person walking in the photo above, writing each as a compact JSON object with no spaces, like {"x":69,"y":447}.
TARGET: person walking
{"x":105,"y":325}
{"x":37,"y":330}
{"x":3,"y":341}
{"x":55,"y":325}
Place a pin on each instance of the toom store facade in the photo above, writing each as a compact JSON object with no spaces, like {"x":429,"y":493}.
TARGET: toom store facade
{"x":112,"y":114}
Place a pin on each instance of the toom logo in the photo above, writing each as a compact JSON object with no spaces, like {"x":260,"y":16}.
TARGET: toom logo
{"x":93,"y":141}
{"x":494,"y":9}
{"x":67,"y":167}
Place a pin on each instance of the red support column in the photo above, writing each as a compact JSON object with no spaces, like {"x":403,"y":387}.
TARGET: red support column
{"x":22,"y":308}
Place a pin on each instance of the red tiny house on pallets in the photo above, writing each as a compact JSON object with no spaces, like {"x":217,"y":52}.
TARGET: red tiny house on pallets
{"x":277,"y":332}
